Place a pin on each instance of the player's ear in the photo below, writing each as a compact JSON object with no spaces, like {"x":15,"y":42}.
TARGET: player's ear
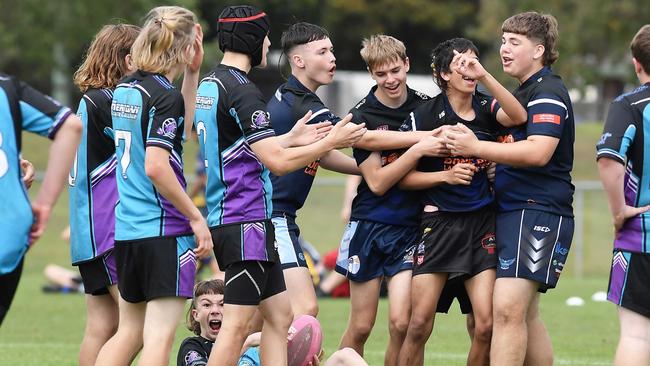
{"x":407,"y":65}
{"x":539,"y":51}
{"x":638,"y":68}
{"x":446,"y":76}
{"x":297,"y":60}
{"x":195,"y":314}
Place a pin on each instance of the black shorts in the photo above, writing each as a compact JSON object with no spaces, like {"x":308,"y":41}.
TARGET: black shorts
{"x":8,"y":286}
{"x":454,"y":289}
{"x":158,"y":267}
{"x":629,"y":281}
{"x":250,"y":282}
{"x":98,"y":274}
{"x":247,"y":241}
{"x":456,"y":242}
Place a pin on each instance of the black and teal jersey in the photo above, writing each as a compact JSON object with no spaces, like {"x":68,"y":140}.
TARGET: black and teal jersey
{"x":289,"y":104}
{"x":92,"y":186}
{"x":438,"y":112}
{"x":147,"y":110}
{"x":230,"y":116}
{"x":21,"y":108}
{"x":550,"y":113}
{"x":396,"y":206}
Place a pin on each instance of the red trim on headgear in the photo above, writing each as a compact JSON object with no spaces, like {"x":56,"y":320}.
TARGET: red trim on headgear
{"x":229,"y":20}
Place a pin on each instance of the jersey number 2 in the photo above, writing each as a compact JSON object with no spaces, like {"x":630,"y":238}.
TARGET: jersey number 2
{"x":126,"y":154}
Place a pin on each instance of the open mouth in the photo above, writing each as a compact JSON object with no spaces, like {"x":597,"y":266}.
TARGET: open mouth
{"x":506,"y":61}
{"x":215,"y":325}
{"x":468,"y":79}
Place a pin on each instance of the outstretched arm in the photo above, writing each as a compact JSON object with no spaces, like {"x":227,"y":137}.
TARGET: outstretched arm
{"x":339,"y":162}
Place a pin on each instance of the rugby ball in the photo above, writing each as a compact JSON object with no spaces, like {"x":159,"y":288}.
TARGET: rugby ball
{"x":304,"y":340}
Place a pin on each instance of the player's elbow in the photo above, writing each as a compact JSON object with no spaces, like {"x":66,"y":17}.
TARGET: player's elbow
{"x":278,"y":167}
{"x":539,"y":160}
{"x":377,"y":187}
{"x":153,"y":168}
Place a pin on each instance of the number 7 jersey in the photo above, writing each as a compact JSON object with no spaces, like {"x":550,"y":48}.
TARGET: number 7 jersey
{"x":146,"y":111}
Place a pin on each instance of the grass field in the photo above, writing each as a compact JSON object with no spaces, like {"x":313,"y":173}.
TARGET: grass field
{"x":46,"y":329}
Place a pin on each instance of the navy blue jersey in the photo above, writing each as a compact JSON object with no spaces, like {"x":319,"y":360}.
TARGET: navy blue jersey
{"x":21,"y":108}
{"x":290,"y":103}
{"x":93,"y":189}
{"x":550,"y":113}
{"x":623,"y":140}
{"x":230,"y":116}
{"x":146,"y":111}
{"x":396,"y":206}
{"x":438,"y":112}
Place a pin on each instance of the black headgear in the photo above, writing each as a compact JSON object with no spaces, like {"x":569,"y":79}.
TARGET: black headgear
{"x":242,"y":29}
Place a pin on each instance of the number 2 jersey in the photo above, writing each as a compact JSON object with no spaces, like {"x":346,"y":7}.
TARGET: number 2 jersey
{"x":438,"y":112}
{"x":92,"y":186}
{"x":624,"y":139}
{"x":21,"y":108}
{"x":230,"y":116}
{"x":147,"y":110}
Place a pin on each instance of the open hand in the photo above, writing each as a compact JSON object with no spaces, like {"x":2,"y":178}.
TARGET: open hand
{"x":345,"y":134}
{"x":303,"y":133}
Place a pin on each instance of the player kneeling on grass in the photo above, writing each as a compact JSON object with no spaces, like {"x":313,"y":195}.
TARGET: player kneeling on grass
{"x":622,"y":150}
{"x":241,"y":149}
{"x":458,"y":222}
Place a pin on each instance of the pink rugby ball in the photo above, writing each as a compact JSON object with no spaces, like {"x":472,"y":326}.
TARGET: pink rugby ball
{"x":304,"y":341}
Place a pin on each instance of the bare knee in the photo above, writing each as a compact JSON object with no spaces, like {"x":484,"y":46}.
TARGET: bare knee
{"x":420,"y":328}
{"x":509,"y":314}
{"x":311,"y":309}
{"x":360,"y":332}
{"x":101,"y":329}
{"x":483,"y":331}
{"x":398,"y":326}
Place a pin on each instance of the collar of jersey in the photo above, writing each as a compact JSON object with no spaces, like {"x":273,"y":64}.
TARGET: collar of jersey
{"x":543,"y":72}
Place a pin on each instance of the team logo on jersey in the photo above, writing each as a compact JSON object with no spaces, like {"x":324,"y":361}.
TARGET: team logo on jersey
{"x":260,"y":119}
{"x":506,"y":263}
{"x":168,"y":128}
{"x":442,"y":114}
{"x":408,"y":257}
{"x":192,"y":356}
{"x":489,"y":243}
{"x":354,"y":264}
{"x":603,"y":138}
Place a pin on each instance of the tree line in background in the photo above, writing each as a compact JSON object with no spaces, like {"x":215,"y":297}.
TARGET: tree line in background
{"x":38,"y":36}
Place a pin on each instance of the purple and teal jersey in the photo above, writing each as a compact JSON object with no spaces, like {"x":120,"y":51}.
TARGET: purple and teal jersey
{"x":626,"y":129}
{"x":147,"y":111}
{"x":230,"y":116}
{"x":438,"y":112}
{"x":289,"y":104}
{"x":92,"y":186}
{"x":550,"y":113}
{"x":21,"y":108}
{"x":396,"y":206}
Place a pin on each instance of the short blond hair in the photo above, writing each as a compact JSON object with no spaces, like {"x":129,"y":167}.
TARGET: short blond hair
{"x":381,"y":49}
{"x":161,"y":44}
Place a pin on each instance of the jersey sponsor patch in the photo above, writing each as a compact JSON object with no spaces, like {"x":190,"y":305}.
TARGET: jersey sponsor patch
{"x":192,"y":356}
{"x":260,"y":119}
{"x":168,"y":128}
{"x":546,"y":118}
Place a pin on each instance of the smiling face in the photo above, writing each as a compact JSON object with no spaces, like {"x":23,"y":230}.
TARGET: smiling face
{"x":316,"y":61}
{"x":209,"y":314}
{"x":521,"y":56}
{"x":457,"y":82}
{"x":391,"y":81}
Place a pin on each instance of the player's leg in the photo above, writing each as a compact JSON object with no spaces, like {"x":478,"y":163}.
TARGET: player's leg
{"x":161,"y":320}
{"x":277,"y":320}
{"x":539,"y":351}
{"x":425,"y":291}
{"x":634,"y":345}
{"x":300,"y":286}
{"x":364,"y":298}
{"x":512,"y":299}
{"x":8,"y":286}
{"x":480,"y":289}
{"x":399,"y":314}
{"x":102,"y":317}
{"x":127,"y":341}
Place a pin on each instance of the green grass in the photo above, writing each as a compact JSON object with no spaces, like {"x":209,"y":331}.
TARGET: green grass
{"x":47,"y":329}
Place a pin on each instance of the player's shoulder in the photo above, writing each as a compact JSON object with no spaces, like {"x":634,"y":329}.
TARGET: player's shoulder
{"x":640,"y":95}
{"x":98,"y":98}
{"x":550,"y":85}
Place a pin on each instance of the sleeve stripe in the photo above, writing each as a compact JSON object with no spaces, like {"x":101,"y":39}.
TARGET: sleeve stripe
{"x":153,"y":140}
{"x":324,"y":110}
{"x":610,"y":153}
{"x":413,"y":127}
{"x":260,"y":136}
{"x":90,"y":100}
{"x":640,"y":101}
{"x":58,"y":121}
{"x":548,"y":101}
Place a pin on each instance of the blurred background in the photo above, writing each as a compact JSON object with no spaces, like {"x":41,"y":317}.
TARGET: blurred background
{"x":43,"y":43}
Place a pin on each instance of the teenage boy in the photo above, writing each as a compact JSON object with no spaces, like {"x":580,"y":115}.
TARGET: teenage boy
{"x":239,"y":144}
{"x":533,"y":190}
{"x":621,"y":152}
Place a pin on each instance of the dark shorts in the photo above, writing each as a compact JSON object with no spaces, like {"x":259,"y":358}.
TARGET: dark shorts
{"x":369,"y":250}
{"x":250,"y":282}
{"x":533,"y":245}
{"x":456,"y":242}
{"x":8,"y":286}
{"x":248,"y":241}
{"x":287,"y":235}
{"x":98,"y":274}
{"x":152,"y":268}
{"x":454,"y":289}
{"x":629,"y":281}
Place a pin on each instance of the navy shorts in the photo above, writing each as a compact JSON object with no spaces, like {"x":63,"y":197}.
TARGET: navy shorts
{"x":533,"y":245}
{"x":157,"y":267}
{"x":98,"y":274}
{"x":287,"y":235}
{"x":629,"y":281}
{"x":370,"y":249}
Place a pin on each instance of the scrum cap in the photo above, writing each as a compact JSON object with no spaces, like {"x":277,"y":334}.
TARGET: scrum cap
{"x":242,"y":29}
